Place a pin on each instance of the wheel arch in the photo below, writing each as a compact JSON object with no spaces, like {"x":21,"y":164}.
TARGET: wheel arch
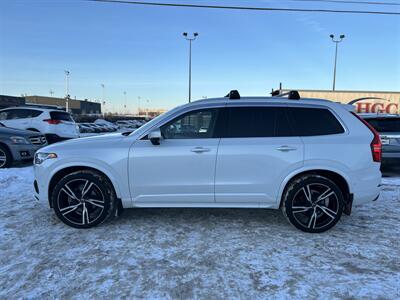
{"x":7,"y":148}
{"x":59,"y":174}
{"x":336,"y":176}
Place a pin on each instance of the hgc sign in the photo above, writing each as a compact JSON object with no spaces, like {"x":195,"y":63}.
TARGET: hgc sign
{"x":365,"y":106}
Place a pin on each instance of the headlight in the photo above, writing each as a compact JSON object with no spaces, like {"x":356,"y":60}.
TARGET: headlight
{"x":41,"y":157}
{"x":19,"y":140}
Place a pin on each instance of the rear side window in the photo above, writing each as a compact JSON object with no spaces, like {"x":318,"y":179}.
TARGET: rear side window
{"x":314,"y":121}
{"x":61,"y":116}
{"x":257,"y":122}
{"x":13,"y":114}
{"x":385,"y":125}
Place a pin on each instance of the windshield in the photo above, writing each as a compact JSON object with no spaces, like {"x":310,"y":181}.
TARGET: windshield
{"x":385,"y":124}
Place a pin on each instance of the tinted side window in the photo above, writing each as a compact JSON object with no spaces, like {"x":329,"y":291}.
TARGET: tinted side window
{"x":32,"y":113}
{"x":199,"y":124}
{"x":257,"y":122}
{"x":3,"y":115}
{"x":13,"y":114}
{"x":314,"y":121}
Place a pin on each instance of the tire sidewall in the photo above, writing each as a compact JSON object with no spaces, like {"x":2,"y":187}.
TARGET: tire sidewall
{"x":299,"y":184}
{"x":9,"y":158}
{"x":101,"y":185}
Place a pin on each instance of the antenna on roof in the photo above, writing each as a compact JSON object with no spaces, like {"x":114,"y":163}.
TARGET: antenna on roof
{"x":233,"y":95}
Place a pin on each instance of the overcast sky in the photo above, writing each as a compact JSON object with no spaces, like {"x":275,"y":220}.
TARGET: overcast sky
{"x":140,"y":50}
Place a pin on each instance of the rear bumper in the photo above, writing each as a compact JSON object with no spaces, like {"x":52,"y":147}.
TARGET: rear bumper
{"x":366,"y":184}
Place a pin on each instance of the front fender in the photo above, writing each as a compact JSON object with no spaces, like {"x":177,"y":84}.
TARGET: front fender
{"x":118,"y":182}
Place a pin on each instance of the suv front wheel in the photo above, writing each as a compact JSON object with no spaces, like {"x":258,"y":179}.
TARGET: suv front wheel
{"x":84,"y":199}
{"x":313,"y":203}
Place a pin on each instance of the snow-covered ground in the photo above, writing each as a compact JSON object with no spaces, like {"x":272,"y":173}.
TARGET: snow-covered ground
{"x":195,"y":253}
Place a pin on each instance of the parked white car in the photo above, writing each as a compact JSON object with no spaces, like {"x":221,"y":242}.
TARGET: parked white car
{"x":56,"y":125}
{"x":311,"y":158}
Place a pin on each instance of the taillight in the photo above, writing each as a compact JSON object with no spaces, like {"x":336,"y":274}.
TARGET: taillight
{"x":52,"y":121}
{"x":376,"y":144}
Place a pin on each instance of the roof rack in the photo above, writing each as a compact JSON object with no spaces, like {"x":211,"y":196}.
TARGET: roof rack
{"x":292,"y":95}
{"x":233,"y":95}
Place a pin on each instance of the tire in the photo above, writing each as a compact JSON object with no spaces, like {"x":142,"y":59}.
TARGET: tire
{"x":84,"y":199}
{"x":6,"y":158}
{"x":313,"y":203}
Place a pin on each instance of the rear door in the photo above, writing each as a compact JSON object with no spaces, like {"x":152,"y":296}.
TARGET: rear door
{"x":257,"y":151}
{"x":16,"y":118}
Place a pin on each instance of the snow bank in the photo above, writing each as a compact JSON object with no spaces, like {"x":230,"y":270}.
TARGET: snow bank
{"x":195,"y":253}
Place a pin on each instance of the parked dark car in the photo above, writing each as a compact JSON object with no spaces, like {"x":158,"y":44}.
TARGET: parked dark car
{"x":388,"y":126}
{"x":18,"y":145}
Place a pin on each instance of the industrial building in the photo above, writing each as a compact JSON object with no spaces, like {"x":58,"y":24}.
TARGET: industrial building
{"x":364,"y":101}
{"x":78,"y":107}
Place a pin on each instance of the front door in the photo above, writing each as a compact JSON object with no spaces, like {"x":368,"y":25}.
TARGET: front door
{"x":181,"y":170}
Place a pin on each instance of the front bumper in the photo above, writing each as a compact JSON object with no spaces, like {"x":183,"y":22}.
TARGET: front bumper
{"x":24,"y":152}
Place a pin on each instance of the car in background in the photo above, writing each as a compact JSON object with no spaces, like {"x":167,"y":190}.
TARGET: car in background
{"x":388,"y":126}
{"x":110,"y":126}
{"x":106,"y":127}
{"x":125,"y":125}
{"x":96,"y":128}
{"x":84,"y":128}
{"x":56,"y":125}
{"x":18,"y":145}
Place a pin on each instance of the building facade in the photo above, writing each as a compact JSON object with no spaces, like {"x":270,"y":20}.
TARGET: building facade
{"x":79,"y":107}
{"x":364,"y":101}
{"x":8,"y":101}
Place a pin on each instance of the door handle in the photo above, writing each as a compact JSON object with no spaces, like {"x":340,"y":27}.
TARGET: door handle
{"x":200,"y":149}
{"x":286,"y":148}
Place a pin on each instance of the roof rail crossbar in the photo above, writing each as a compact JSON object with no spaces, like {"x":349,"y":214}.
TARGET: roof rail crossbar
{"x":233,"y":95}
{"x":292,"y":95}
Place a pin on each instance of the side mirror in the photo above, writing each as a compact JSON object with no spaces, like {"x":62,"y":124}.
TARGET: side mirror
{"x":155,"y":136}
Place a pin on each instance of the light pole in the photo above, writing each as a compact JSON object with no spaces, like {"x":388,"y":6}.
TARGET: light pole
{"x":139,"y":105}
{"x":190,"y":39}
{"x":66,"y":90}
{"x":336,"y":41}
{"x":103,"y":94}
{"x":125,"y":102}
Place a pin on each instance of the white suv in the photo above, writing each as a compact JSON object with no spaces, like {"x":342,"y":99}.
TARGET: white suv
{"x":311,"y":158}
{"x":56,"y":125}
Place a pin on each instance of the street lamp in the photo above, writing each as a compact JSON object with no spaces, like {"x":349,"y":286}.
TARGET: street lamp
{"x":125,"y":102}
{"x":103,"y":98}
{"x":190,"y":39}
{"x":336,"y":41}
{"x":66,"y":89}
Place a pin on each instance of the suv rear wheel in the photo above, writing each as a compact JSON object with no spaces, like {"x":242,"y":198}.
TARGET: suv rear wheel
{"x":84,"y":199}
{"x":313,"y":203}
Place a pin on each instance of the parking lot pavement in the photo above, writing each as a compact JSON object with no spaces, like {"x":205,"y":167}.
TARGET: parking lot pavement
{"x":195,"y":253}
